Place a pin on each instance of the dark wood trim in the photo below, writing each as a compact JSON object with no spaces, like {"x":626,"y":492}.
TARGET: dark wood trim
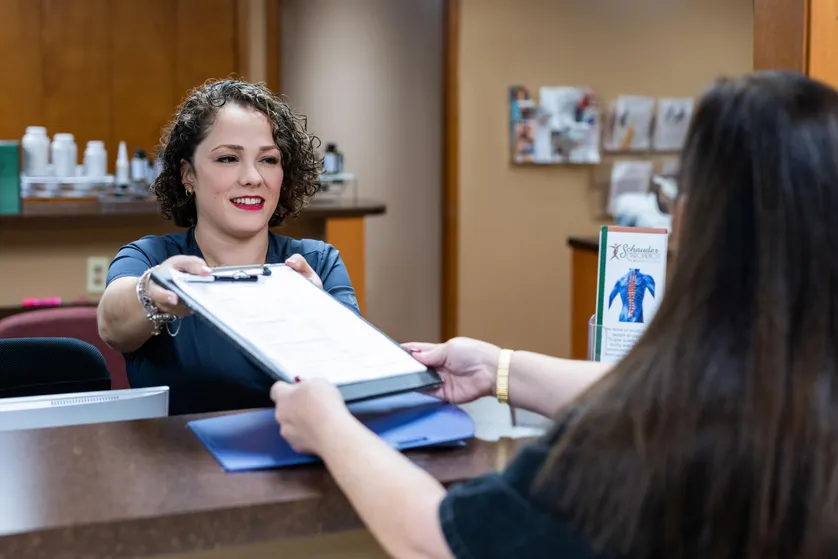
{"x":129,"y":213}
{"x":451,"y":170}
{"x":781,"y":35}
{"x":273,"y":44}
{"x":583,"y":243}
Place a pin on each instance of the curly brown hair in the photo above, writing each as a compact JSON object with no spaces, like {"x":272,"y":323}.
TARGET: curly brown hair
{"x":301,"y":163}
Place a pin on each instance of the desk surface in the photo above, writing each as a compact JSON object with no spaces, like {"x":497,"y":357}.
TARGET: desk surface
{"x":150,"y":487}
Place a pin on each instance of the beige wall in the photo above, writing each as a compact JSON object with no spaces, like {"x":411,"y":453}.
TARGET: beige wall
{"x":514,"y":222}
{"x":367,"y":73}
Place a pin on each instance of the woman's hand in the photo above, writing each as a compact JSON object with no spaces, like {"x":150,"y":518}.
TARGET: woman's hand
{"x":165,"y":300}
{"x":305,"y":409}
{"x":468,"y":367}
{"x":298,"y":263}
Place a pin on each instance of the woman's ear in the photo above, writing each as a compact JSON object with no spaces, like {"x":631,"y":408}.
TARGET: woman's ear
{"x":187,"y":175}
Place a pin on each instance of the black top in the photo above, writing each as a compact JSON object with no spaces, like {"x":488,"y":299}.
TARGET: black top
{"x":205,"y":372}
{"x":495,"y":516}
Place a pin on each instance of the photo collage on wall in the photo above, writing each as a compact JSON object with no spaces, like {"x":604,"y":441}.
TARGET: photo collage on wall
{"x":565,"y":125}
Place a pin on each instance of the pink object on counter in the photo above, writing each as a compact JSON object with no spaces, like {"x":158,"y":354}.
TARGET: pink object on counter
{"x":44,"y":302}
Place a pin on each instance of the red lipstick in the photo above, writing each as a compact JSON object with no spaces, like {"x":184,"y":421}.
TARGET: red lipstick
{"x":249,"y":203}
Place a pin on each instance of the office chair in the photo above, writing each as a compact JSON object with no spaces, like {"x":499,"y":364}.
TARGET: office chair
{"x":67,"y":322}
{"x":38,"y":366}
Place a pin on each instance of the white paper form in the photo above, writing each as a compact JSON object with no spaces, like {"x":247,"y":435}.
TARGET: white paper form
{"x":301,"y":328}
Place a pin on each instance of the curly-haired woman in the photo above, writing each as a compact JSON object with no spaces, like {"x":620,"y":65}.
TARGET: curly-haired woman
{"x":236,"y":161}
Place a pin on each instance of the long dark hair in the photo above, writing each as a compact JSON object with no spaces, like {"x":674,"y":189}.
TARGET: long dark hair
{"x":717,"y":435}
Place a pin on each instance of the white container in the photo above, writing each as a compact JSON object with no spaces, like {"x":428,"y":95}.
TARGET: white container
{"x":64,"y":155}
{"x":35,"y":152}
{"x":95,"y":159}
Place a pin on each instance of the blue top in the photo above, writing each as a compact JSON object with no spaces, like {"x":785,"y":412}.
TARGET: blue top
{"x":205,"y":372}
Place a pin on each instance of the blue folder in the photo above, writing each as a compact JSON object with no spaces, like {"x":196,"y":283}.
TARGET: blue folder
{"x":251,"y":440}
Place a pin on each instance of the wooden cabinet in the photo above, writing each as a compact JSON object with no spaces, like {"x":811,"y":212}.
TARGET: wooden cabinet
{"x":110,"y":70}
{"x":799,"y":35}
{"x":823,"y":41}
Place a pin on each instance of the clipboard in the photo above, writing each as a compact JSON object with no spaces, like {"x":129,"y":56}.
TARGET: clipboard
{"x":409,"y":375}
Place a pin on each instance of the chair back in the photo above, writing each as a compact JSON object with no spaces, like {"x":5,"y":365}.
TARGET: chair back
{"x":38,"y":366}
{"x":67,"y":322}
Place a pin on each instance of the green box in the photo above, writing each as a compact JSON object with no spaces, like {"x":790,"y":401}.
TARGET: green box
{"x":10,"y":199}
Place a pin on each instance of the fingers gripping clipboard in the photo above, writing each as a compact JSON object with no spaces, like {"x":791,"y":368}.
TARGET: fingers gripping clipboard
{"x":292,"y":329}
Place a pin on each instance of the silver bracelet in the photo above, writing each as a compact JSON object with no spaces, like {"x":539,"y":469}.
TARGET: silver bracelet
{"x":152,"y":313}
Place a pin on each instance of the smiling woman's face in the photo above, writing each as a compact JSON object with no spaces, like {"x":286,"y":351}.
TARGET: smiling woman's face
{"x":237,"y":173}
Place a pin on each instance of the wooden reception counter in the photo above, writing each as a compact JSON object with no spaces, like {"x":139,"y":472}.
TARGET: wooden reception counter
{"x":149,"y":487}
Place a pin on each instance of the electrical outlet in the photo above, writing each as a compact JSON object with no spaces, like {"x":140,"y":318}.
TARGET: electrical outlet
{"x":97,"y":273}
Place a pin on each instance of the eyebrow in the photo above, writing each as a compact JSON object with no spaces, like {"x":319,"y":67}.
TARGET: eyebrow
{"x":240,"y":148}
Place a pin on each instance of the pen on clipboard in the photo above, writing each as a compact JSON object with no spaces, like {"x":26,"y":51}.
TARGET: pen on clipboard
{"x":234,"y":277}
{"x":238,"y":276}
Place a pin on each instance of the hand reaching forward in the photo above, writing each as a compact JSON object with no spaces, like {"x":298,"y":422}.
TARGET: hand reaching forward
{"x":467,"y":367}
{"x":304,"y":410}
{"x":300,"y":264}
{"x":164,"y":299}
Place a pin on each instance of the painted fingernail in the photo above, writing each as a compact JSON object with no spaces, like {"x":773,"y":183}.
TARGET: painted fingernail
{"x":297,"y":379}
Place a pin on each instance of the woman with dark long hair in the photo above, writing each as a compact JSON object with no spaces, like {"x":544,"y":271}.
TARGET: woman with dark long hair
{"x":715,"y":437}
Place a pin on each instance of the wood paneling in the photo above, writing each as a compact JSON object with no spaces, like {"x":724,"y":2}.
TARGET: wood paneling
{"x":110,"y":70}
{"x":243,"y":66}
{"x":800,"y":35}
{"x":207,"y":42}
{"x":20,"y":66}
{"x":273,"y":44}
{"x":451,"y":172}
{"x":143,"y":85}
{"x":780,"y":34}
{"x":823,"y":41}
{"x":76,"y":69}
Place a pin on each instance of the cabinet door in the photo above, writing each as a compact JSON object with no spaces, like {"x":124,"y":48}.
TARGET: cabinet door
{"x":111,"y":70}
{"x":20,"y":67}
{"x":76,"y":69}
{"x":143,"y":72}
{"x":206,"y":42}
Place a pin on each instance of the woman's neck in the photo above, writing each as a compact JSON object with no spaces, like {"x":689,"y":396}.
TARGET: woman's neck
{"x":222,"y":250}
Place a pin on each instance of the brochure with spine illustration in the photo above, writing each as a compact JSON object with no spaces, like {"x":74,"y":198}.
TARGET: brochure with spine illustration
{"x":631,"y":280}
